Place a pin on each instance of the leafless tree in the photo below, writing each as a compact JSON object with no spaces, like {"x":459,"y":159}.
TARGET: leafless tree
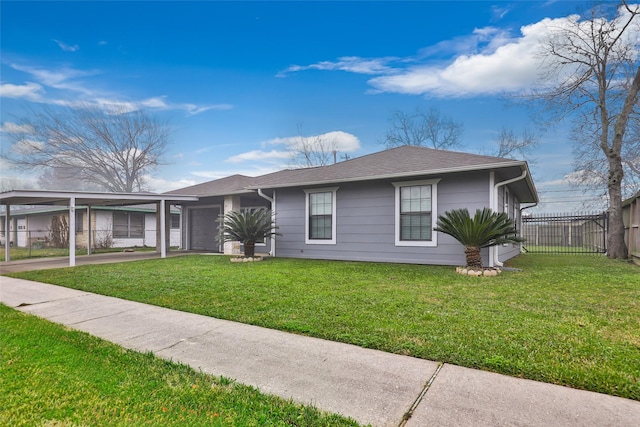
{"x":423,"y":129}
{"x":511,"y":145}
{"x":592,"y":167}
{"x":10,"y":183}
{"x":309,"y":151}
{"x":111,"y":147}
{"x":591,"y":66}
{"x":65,"y":178}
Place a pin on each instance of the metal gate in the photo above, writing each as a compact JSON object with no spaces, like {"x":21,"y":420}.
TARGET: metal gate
{"x":577,"y":233}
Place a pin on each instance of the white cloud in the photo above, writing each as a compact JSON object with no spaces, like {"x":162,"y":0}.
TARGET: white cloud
{"x":155,"y":102}
{"x":338,"y":140}
{"x":353,"y":64}
{"x":500,"y":12}
{"x":11,"y":127}
{"x":193,"y":109}
{"x":259,"y":155}
{"x":30,"y":91}
{"x":504,"y":65}
{"x":161,"y":185}
{"x":277,"y":159}
{"x":75,"y":91}
{"x":66,"y":47}
{"x":27,"y":146}
{"x":488,"y":61}
{"x":577,"y":178}
{"x":62,"y":78}
{"x":253,"y":170}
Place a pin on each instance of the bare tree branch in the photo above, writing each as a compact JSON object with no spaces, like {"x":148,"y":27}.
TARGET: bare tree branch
{"x":592,"y":71}
{"x":110,"y":148}
{"x":511,"y":145}
{"x":309,"y":151}
{"x":423,"y":129}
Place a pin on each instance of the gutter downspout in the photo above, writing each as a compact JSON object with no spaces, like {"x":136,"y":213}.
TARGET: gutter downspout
{"x":496,"y":261}
{"x":272,"y":200}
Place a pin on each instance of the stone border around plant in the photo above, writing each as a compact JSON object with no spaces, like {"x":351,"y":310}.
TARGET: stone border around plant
{"x":486,"y":272}
{"x":246,"y":259}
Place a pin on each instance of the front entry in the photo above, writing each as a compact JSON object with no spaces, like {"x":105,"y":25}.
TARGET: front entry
{"x":204,"y":229}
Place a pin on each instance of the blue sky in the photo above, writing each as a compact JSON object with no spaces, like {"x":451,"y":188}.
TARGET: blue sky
{"x":237,"y":80}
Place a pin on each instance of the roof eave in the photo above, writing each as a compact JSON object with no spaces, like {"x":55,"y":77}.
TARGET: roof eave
{"x":399,"y":175}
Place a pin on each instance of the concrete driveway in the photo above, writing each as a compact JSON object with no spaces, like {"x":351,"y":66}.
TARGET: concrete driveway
{"x":61,"y":262}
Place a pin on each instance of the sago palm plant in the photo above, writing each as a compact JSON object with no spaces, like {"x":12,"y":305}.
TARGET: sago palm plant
{"x":249,"y":226}
{"x":485,"y":229}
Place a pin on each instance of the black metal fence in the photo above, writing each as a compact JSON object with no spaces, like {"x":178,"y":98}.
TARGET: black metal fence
{"x":576,"y":233}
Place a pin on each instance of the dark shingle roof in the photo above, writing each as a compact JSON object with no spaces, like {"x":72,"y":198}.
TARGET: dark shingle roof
{"x":397,"y":162}
{"x":234,"y":184}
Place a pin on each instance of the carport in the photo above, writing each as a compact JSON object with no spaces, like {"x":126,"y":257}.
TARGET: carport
{"x":89,"y":199}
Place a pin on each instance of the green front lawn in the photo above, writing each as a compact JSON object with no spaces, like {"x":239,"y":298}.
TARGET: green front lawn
{"x":570,"y":320}
{"x":17,"y":253}
{"x":51,"y":376}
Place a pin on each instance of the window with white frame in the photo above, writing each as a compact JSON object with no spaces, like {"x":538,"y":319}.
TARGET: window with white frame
{"x":320,"y":216}
{"x":416,"y":213}
{"x":175,"y":221}
{"x":128,"y":224}
{"x":79,"y":221}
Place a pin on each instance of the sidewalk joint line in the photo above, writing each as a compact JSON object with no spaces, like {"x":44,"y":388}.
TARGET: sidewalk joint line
{"x":29,"y":304}
{"x":183,"y":340}
{"x":97,"y":317}
{"x":414,"y":406}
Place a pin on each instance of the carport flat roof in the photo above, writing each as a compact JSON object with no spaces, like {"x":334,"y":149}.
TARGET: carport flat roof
{"x":62,"y":198}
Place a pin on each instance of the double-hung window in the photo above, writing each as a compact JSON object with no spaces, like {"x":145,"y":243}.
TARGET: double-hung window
{"x":321,"y":216}
{"x":79,"y":220}
{"x":128,"y":224}
{"x":175,"y":221}
{"x":416,"y":213}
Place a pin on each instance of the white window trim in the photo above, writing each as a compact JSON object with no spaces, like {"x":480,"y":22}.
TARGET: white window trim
{"x":506,"y":209}
{"x":434,"y":213}
{"x":129,"y":214}
{"x":331,"y":241}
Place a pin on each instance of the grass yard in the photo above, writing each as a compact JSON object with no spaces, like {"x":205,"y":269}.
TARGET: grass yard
{"x":17,"y":253}
{"x":570,"y":320}
{"x":57,"y":377}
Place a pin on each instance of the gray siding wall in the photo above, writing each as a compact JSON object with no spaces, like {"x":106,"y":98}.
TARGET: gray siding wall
{"x":509,"y":251}
{"x":204,"y":234}
{"x":365,"y":222}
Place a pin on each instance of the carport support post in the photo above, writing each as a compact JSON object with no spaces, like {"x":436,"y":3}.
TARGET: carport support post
{"x":7,"y":234}
{"x":163,"y":229}
{"x":231,"y":204}
{"x":89,"y":242}
{"x":72,"y":232}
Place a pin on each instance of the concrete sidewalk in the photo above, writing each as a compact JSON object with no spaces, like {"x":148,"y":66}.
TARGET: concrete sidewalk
{"x":370,"y":386}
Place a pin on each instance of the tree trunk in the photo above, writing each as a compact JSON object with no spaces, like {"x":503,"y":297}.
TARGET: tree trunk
{"x":474,"y":259}
{"x":616,"y":248}
{"x":249,"y":249}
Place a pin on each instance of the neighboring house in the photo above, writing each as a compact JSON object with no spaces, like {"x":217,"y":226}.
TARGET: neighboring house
{"x":378,"y":207}
{"x":118,"y":227}
{"x":631,"y":218}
